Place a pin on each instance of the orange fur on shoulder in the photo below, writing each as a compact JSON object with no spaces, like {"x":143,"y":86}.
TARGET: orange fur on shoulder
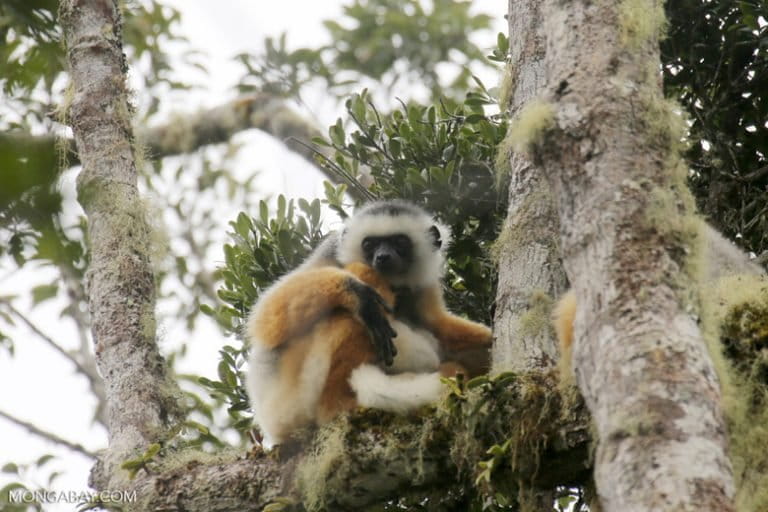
{"x":456,"y":334}
{"x":297,"y":303}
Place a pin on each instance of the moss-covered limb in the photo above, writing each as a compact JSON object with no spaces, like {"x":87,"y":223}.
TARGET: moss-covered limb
{"x":142,"y":400}
{"x":490,"y":439}
{"x":507,"y":435}
{"x":744,"y":331}
{"x":737,"y":331}
{"x":188,"y":132}
{"x":241,"y":484}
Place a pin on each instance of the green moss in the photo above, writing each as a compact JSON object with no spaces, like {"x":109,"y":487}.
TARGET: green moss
{"x":506,"y":87}
{"x":735,"y":313}
{"x":641,"y":21}
{"x":537,"y":318}
{"x":502,"y":165}
{"x":526,"y":230}
{"x":529,"y":125}
{"x":665,"y":125}
{"x":187,"y":457}
{"x":328,"y":456}
{"x":179,"y":133}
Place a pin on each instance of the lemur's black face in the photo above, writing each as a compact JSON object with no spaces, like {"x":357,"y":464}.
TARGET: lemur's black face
{"x":390,"y":254}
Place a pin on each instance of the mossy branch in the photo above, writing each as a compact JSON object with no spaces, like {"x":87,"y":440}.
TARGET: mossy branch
{"x":185,"y":133}
{"x":487,"y":436}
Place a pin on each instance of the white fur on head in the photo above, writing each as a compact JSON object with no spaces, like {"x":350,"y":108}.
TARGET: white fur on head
{"x":398,"y":217}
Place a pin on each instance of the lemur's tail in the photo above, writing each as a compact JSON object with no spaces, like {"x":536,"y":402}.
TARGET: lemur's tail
{"x":396,"y":393}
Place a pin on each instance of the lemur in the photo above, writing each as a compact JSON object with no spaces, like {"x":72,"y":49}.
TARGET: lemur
{"x":362,"y":322}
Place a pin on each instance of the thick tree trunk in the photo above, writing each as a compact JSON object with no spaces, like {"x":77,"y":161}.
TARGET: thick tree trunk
{"x":142,"y":399}
{"x":629,"y":243}
{"x":530,"y":272}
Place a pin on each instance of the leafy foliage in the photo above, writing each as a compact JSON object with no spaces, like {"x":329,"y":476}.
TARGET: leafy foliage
{"x":389,"y":41}
{"x":716,"y":64}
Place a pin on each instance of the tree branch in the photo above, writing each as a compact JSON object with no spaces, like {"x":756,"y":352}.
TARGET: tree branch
{"x":143,"y":402}
{"x":89,"y":372}
{"x":372,"y":457}
{"x":630,"y":243}
{"x":188,"y":132}
{"x":48,"y":436}
{"x":530,"y":272}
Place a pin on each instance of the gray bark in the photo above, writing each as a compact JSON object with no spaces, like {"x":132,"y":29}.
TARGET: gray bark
{"x":530,"y":273}
{"x":639,"y":356}
{"x":142,"y":399}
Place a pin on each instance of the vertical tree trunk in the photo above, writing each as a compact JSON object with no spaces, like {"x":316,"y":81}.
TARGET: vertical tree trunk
{"x":530,"y":272}
{"x":629,"y":242}
{"x":142,"y":400}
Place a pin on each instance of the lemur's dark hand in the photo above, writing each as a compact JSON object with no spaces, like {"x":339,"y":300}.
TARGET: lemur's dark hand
{"x":371,"y":309}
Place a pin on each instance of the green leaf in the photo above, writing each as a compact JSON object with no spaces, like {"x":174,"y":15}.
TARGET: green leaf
{"x":197,"y":426}
{"x":10,"y":467}
{"x":44,"y":292}
{"x":43,"y":460}
{"x":336,"y":133}
{"x":152,"y":450}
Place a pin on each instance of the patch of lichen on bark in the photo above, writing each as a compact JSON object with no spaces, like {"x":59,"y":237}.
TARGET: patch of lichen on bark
{"x":641,"y":21}
{"x":519,"y":234}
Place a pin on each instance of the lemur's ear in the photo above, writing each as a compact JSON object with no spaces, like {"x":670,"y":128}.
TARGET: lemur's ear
{"x":436,"y":239}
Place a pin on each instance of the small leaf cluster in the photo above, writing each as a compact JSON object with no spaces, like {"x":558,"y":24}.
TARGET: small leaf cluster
{"x":499,"y":459}
{"x":486,"y":452}
{"x":230,"y":388}
{"x":263,"y":249}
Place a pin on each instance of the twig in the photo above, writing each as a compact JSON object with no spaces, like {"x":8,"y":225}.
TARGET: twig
{"x":32,"y":429}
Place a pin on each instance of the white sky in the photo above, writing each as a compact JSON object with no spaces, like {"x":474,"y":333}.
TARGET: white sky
{"x":39,"y":385}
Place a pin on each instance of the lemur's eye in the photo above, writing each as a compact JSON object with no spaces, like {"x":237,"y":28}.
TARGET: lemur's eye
{"x":401,"y":241}
{"x":402,"y":244}
{"x":368,"y":244}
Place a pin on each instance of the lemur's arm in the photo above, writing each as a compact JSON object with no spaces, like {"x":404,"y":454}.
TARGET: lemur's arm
{"x":301,"y":298}
{"x":455,"y":333}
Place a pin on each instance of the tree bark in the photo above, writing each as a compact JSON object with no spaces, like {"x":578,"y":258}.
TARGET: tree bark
{"x":142,"y":399}
{"x":628,"y":243}
{"x":530,"y":272}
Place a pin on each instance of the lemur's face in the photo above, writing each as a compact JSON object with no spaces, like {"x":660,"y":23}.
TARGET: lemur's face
{"x":391,"y":255}
{"x":399,"y":240}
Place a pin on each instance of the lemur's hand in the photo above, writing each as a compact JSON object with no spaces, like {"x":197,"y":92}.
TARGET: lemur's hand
{"x":370,"y":311}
